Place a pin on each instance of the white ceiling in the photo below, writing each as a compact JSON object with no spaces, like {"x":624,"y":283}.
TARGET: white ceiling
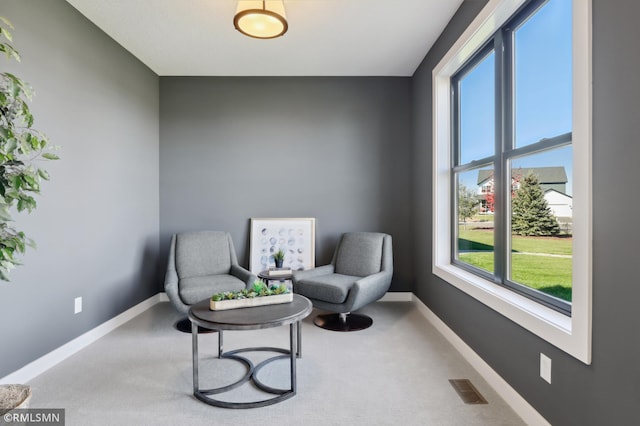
{"x":325,"y":37}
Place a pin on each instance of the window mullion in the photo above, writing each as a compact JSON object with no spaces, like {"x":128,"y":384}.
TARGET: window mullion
{"x":499,"y":217}
{"x":454,"y":161}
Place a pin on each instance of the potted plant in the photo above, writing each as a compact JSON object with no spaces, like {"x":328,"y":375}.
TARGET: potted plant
{"x":20,"y":147}
{"x":14,"y":397}
{"x":258,"y":295}
{"x":278,"y":258}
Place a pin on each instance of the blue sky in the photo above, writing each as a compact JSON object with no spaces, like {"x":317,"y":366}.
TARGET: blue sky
{"x":542,"y":92}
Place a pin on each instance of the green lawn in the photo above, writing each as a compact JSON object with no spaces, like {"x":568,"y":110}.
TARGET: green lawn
{"x":482,"y":239}
{"x":549,"y":274}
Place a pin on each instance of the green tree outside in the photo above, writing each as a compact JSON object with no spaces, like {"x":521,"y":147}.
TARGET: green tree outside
{"x":468,"y":203}
{"x":530,"y":213}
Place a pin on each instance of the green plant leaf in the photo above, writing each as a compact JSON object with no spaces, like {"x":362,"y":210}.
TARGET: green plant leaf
{"x":6,"y":253}
{"x":11,"y":145}
{"x":50,"y":156}
{"x":43,"y":174}
{"x":16,"y":183}
{"x":9,"y":51}
{"x":6,"y":34}
{"x":6,"y":22}
{"x":4,"y":214}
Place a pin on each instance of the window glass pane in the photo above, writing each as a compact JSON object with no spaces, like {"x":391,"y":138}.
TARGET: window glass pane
{"x":475,"y":219}
{"x":542,"y":77}
{"x":541,"y":222}
{"x":477,"y":112}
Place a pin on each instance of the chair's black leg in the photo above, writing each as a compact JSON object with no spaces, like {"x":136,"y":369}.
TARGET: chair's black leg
{"x":343,"y":322}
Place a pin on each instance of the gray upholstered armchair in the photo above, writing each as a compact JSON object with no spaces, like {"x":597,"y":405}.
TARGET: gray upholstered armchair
{"x":360,"y":273}
{"x":201,"y":264}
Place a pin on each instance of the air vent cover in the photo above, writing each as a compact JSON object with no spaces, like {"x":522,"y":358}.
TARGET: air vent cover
{"x":467,"y":391}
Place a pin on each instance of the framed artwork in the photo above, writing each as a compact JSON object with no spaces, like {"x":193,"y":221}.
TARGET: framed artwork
{"x":296,"y":237}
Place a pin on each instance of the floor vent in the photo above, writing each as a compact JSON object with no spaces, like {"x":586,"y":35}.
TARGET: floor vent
{"x":467,"y":391}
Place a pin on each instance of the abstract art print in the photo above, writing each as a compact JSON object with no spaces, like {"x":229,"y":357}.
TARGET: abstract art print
{"x":294,"y":236}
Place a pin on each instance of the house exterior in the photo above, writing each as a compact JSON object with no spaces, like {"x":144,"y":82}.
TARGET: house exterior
{"x":561,"y":204}
{"x":553,"y":181}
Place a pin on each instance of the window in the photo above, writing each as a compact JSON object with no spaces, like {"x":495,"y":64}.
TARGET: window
{"x":516,"y":159}
{"x":512,"y":170}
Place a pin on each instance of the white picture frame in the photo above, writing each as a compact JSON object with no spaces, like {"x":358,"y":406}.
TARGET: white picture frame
{"x":295,"y":236}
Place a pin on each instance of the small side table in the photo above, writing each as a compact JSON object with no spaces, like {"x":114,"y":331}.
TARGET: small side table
{"x":264,"y":275}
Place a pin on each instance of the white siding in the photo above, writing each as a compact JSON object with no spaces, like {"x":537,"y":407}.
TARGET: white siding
{"x":561,"y":205}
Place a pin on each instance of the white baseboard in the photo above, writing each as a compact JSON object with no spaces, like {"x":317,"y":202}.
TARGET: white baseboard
{"x":42,"y":364}
{"x":406,"y":296}
{"x":512,"y":398}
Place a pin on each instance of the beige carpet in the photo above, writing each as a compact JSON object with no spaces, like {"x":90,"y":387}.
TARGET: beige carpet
{"x":395,"y":373}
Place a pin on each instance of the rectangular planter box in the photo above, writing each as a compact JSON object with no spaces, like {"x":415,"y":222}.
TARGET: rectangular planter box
{"x":222,"y":305}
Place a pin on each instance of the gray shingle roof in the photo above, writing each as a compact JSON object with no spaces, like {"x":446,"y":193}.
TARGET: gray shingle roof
{"x":545,"y":174}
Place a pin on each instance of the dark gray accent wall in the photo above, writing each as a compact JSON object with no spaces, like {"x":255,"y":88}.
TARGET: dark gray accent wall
{"x":607,"y":391}
{"x":337,"y":149}
{"x":96,"y":225}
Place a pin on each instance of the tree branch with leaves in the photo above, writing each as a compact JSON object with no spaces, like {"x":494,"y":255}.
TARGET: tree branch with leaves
{"x":468,"y":203}
{"x":21,"y":147}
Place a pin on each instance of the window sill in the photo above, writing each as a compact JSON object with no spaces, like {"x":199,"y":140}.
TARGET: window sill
{"x":570,"y":334}
{"x":526,"y":312}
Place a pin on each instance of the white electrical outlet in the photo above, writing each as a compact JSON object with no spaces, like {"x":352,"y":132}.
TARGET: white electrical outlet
{"x":545,"y":367}
{"x":77,"y":305}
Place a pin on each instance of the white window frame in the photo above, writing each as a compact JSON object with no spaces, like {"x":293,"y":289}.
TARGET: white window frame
{"x":571,"y":334}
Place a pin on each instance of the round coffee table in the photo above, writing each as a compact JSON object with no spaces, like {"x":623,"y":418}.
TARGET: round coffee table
{"x":253,"y":318}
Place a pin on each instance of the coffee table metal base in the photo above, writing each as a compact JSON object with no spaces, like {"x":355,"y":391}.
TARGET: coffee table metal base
{"x":252,"y":371}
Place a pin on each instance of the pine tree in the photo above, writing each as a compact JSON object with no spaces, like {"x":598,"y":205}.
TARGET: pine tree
{"x":530,"y":213}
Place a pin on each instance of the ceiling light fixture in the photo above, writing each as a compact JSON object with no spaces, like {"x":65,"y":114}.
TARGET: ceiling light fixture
{"x":261,"y":18}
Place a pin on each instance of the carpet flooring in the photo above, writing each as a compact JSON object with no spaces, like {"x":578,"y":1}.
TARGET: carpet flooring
{"x":395,"y":373}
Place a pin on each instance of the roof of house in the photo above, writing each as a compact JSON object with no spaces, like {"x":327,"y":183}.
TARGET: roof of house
{"x":558,"y":192}
{"x":545,"y":174}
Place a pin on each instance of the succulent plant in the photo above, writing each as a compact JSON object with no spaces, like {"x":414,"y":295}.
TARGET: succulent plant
{"x":259,"y":289}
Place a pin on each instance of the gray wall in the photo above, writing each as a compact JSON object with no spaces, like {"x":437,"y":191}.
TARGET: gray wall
{"x":607,"y":391}
{"x":337,"y":149}
{"x":96,"y":225}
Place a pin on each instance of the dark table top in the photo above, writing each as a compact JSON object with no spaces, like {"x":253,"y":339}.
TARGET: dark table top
{"x":251,"y":318}
{"x":265,"y":276}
